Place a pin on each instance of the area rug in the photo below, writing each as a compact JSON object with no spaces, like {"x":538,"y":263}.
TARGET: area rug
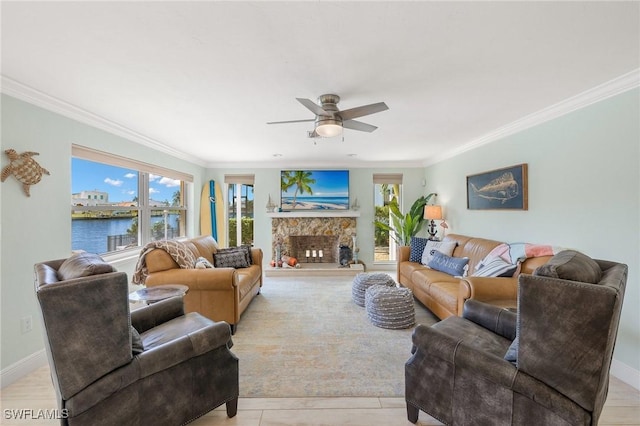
{"x":304,"y":337}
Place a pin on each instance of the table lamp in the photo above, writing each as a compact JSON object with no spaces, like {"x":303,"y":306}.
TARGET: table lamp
{"x":432,"y":213}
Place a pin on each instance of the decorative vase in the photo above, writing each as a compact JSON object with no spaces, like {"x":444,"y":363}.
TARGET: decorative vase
{"x":355,"y":249}
{"x":278,"y":256}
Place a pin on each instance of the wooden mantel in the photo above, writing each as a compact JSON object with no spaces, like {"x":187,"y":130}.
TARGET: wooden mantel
{"x":315,"y":213}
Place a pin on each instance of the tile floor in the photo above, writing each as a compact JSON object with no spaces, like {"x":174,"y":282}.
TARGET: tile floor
{"x":36,"y":392}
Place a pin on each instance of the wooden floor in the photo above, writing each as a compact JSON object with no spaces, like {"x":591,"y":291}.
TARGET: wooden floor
{"x":33,"y":396}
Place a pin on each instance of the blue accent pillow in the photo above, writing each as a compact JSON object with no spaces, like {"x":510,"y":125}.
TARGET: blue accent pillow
{"x":417,"y":245}
{"x":455,"y":266}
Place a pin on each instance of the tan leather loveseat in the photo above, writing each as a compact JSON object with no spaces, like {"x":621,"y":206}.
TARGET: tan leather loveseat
{"x":445,"y":295}
{"x":221,"y":294}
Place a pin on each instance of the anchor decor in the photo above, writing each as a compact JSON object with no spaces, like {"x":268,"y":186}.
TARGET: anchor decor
{"x":24,"y":168}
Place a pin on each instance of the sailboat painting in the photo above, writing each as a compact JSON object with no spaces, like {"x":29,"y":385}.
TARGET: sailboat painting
{"x":502,"y":189}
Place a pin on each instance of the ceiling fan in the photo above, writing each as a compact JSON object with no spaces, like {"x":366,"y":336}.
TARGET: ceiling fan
{"x":330,"y":121}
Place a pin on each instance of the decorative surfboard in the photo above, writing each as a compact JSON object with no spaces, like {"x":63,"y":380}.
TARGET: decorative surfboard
{"x":212,"y":212}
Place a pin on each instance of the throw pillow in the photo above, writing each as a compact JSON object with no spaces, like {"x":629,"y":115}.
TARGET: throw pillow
{"x":417,"y":246}
{"x":496,"y":267}
{"x":444,"y":247}
{"x":136,"y":342}
{"x":83,"y":265}
{"x":512,"y":352}
{"x":571,"y":265}
{"x":456,"y":266}
{"x":203,"y":263}
{"x":232,"y":257}
{"x":247,"y":249}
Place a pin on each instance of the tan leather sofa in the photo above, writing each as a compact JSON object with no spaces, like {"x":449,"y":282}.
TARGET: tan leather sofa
{"x":221,"y":294}
{"x":444,"y":295}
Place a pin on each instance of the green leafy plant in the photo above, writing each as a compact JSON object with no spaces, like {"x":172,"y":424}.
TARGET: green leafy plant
{"x":402,"y":227}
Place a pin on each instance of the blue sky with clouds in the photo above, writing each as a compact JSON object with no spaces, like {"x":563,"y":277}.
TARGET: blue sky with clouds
{"x":329,"y":183}
{"x":121,"y":184}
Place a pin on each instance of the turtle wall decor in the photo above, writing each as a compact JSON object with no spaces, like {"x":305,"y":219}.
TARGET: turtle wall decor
{"x":24,"y":168}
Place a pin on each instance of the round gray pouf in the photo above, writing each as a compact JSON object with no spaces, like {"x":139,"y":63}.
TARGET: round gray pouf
{"x":390,"y":307}
{"x":363,"y":281}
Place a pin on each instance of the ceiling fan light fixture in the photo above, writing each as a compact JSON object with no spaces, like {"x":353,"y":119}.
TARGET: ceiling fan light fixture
{"x":329,"y":127}
{"x":330,"y":121}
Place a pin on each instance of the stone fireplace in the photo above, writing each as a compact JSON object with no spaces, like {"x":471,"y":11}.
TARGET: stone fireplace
{"x":321,"y":235}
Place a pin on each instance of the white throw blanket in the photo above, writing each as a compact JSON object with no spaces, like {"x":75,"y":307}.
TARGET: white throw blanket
{"x":177,"y":250}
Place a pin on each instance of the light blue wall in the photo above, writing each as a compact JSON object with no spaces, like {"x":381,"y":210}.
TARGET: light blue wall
{"x":584,"y":193}
{"x":38,"y":228}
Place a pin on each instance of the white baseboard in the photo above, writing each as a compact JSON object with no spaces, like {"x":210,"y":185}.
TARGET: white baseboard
{"x":22,"y":368}
{"x":625,"y":373}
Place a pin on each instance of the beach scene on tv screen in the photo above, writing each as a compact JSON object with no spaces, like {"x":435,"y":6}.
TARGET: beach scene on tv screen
{"x":314,"y":190}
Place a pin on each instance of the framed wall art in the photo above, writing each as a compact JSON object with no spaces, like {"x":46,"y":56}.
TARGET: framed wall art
{"x":501,"y":189}
{"x":314,"y":190}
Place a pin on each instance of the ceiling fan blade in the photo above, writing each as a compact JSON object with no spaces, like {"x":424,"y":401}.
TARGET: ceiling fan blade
{"x":358,"y":125}
{"x":291,"y":121}
{"x":361,"y":111}
{"x":313,"y":107}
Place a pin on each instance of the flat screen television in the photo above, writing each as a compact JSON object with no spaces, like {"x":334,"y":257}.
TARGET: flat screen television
{"x":314,"y":190}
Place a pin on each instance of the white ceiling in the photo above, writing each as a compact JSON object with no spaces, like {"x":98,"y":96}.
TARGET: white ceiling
{"x":203,"y":78}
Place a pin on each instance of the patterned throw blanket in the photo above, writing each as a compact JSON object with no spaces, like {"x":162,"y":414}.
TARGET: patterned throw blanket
{"x":518,"y":252}
{"x":178,"y":251}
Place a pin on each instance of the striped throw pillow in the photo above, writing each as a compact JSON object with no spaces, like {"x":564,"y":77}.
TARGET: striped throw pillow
{"x":496,"y":267}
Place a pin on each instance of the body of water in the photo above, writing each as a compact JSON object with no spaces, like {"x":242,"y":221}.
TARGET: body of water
{"x":91,"y":234}
{"x":320,"y":203}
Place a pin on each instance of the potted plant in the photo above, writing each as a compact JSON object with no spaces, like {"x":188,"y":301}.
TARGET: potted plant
{"x":402,"y":227}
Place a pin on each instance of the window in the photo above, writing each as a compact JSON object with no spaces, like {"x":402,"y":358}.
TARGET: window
{"x":240,"y":209}
{"x":387,"y":188}
{"x":118,"y":203}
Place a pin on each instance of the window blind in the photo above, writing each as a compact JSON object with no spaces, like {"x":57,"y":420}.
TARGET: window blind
{"x":242,"y":179}
{"x":388,"y":178}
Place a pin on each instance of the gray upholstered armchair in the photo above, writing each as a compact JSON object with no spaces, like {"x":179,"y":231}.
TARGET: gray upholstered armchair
{"x":556,"y":370}
{"x":168,"y":369}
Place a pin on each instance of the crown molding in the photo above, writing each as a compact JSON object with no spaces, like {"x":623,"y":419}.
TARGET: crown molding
{"x":333,"y":164}
{"x":35,"y":97}
{"x":624,"y":83}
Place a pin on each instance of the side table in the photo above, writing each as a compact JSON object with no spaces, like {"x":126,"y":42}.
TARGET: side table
{"x":153,"y":294}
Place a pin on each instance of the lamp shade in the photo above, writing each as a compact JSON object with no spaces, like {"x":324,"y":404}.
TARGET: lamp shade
{"x":328,"y":127}
{"x":433,"y":212}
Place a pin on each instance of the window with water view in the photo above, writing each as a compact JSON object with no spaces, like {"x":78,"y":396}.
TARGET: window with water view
{"x":115,"y":208}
